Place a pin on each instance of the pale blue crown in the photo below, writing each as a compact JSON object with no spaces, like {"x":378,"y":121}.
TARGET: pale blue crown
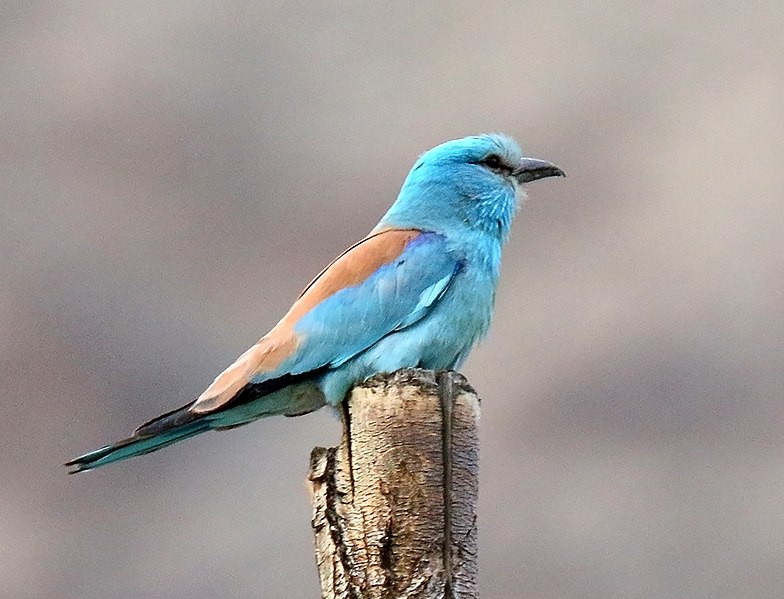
{"x":451,"y":190}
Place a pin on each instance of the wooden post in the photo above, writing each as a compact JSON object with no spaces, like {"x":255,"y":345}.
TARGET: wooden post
{"x":394,"y":506}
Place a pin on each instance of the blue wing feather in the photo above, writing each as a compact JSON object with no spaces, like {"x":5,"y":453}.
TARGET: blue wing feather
{"x":394,"y":297}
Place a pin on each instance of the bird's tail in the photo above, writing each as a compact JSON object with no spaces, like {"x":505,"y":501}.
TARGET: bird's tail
{"x":150,"y":436}
{"x":288,"y":395}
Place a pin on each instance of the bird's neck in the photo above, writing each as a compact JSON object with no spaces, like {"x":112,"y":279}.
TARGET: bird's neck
{"x":471,"y":245}
{"x":451,"y":207}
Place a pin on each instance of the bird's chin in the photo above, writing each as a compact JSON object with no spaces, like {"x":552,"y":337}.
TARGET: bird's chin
{"x":521,"y":195}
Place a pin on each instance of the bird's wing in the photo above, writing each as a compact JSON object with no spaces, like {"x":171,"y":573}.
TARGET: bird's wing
{"x":384,"y":283}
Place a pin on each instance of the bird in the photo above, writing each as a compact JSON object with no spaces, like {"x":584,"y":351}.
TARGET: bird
{"x":416,"y":292}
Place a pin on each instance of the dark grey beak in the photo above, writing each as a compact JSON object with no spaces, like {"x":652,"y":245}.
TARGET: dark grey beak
{"x":531,"y":169}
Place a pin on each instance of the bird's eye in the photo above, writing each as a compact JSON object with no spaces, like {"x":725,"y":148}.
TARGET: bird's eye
{"x":493,"y":161}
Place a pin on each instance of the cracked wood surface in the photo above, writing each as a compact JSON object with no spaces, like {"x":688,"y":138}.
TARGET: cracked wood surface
{"x":399,"y":493}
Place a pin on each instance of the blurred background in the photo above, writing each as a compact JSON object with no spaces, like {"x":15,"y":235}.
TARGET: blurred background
{"x":172,"y":174}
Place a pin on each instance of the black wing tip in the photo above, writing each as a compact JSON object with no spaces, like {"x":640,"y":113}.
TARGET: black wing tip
{"x":166,"y":422}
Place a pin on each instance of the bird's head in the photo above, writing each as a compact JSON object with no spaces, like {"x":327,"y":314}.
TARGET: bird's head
{"x":473,"y":182}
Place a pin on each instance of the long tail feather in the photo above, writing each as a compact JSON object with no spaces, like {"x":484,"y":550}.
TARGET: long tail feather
{"x":252,"y":402}
{"x":151,"y":436}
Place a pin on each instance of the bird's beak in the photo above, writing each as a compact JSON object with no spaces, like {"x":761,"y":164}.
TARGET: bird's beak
{"x":531,"y":169}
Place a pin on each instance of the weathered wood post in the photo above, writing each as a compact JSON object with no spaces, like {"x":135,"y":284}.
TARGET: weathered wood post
{"x":394,"y":506}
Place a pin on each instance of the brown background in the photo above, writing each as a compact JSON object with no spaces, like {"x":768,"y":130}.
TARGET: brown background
{"x":172,"y":174}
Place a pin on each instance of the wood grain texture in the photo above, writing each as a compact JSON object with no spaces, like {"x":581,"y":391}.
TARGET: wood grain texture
{"x":394,"y":506}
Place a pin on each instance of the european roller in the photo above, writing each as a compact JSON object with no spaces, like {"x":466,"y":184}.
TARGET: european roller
{"x":417,"y":292}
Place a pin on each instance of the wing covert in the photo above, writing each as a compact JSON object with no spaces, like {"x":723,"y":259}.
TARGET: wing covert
{"x":386,"y":282}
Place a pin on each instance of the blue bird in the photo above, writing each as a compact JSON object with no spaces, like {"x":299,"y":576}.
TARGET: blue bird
{"x":417,"y":292}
